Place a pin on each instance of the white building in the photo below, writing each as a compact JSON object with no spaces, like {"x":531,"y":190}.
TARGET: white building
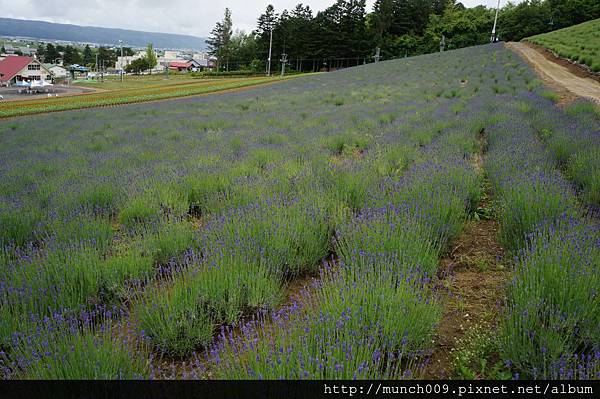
{"x":200,"y":56}
{"x":16,"y":68}
{"x":170,"y":55}
{"x":58,"y":71}
{"x":122,"y":62}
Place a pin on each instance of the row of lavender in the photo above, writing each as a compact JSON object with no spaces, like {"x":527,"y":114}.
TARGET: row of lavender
{"x":371,"y":315}
{"x":440,"y":221}
{"x":550,"y":328}
{"x":98,"y":216}
{"x":573,"y":137}
{"x":144,"y":231}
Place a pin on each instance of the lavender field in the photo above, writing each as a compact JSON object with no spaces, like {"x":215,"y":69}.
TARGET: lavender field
{"x":295,"y":231}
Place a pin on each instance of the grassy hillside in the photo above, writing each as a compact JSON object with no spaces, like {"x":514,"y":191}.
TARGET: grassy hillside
{"x":579,"y":43}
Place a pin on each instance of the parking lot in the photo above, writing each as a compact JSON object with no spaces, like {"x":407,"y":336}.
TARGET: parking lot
{"x":20,"y":93}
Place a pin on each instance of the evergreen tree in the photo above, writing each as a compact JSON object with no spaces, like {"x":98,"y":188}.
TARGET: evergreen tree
{"x":300,"y":38}
{"x":342,"y":30}
{"x":127,"y":52}
{"x":88,"y":57}
{"x":71,"y":56}
{"x":382,"y":19}
{"x":106,"y":57}
{"x":68,"y":55}
{"x":40,"y":53}
{"x":267,"y":21}
{"x":76,"y":57}
{"x":51,"y":53}
{"x":398,"y":27}
{"x":220,"y":39}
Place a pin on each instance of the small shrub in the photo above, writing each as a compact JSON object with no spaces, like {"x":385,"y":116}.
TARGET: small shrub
{"x":137,"y":211}
{"x":90,"y":355}
{"x":550,"y":95}
{"x":171,"y":239}
{"x":18,"y":227}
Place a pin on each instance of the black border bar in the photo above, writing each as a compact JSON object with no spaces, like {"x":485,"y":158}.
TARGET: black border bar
{"x":293,"y":389}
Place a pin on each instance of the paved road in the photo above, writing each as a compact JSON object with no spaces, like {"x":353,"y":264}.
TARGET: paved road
{"x":557,"y":74}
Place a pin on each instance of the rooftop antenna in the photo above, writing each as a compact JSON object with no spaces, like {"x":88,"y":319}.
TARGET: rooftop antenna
{"x":493,"y":38}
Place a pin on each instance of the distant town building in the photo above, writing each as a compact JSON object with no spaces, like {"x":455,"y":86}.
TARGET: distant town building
{"x":181,"y":66}
{"x":14,"y":69}
{"x":122,"y":62}
{"x":175,"y":60}
{"x":170,"y":55}
{"x":200,"y":56}
{"x":26,"y":51}
{"x":58,"y":71}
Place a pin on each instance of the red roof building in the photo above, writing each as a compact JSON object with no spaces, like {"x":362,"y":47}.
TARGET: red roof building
{"x":17,"y":68}
{"x":181,"y":65}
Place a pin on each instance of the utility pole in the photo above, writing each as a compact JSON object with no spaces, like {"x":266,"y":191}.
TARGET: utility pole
{"x":270,"y":48}
{"x":283,"y":61}
{"x":442,"y":43}
{"x":121,"y":43}
{"x":493,"y":38}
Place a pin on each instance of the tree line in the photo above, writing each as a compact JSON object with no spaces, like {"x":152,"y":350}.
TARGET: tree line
{"x":346,"y":34}
{"x":70,"y":55}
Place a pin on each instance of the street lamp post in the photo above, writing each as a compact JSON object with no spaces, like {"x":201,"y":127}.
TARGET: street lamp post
{"x":493,"y":38}
{"x":121,"y":44}
{"x":270,"y":48}
{"x":283,"y":62}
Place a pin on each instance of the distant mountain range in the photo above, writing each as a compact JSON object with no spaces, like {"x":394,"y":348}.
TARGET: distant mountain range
{"x":90,"y":34}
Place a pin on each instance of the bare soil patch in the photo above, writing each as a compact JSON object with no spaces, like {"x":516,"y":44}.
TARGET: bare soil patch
{"x":563,"y":79}
{"x":581,"y":70}
{"x":472,"y":279}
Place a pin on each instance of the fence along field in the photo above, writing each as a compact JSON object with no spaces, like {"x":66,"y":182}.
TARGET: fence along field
{"x":159,"y":234}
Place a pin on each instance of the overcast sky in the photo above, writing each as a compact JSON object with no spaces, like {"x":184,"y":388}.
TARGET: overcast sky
{"x":192,"y":17}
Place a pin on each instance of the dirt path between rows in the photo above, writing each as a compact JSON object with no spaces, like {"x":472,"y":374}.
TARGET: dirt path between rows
{"x":557,"y":76}
{"x":472,"y":279}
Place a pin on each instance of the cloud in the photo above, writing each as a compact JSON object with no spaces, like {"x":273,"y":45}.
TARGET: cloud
{"x":170,"y":16}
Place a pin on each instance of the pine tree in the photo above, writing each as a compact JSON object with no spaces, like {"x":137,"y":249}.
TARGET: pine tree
{"x":51,"y":53}
{"x":68,"y":55}
{"x":71,"y":56}
{"x":266,"y":22}
{"x":40,"y":52}
{"x":220,"y":38}
{"x":88,"y":57}
{"x":383,"y":17}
